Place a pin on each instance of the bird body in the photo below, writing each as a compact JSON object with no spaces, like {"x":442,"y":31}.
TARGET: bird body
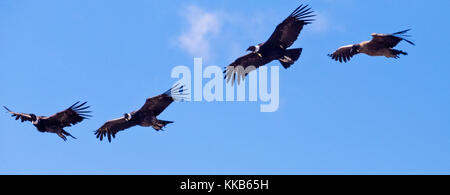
{"x":146,"y":119}
{"x":273,"y":52}
{"x":372,"y":49}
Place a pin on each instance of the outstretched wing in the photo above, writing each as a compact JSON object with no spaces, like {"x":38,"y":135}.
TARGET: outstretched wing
{"x":159,"y":103}
{"x":288,"y":31}
{"x":244,"y":65}
{"x":344,"y":53}
{"x":23,"y":117}
{"x":112,"y":127}
{"x":71,"y":116}
{"x":391,"y":40}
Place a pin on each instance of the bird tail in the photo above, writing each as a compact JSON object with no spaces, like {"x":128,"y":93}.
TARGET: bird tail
{"x":160,"y":124}
{"x":290,"y":57}
{"x":165,"y":122}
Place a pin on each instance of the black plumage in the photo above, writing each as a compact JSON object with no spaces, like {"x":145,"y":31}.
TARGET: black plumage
{"x":57,"y":122}
{"x":145,"y":116}
{"x":275,"y":48}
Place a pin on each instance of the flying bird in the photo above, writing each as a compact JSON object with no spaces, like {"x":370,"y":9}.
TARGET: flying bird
{"x":145,"y":116}
{"x":380,"y":45}
{"x":57,"y":122}
{"x":276,"y":48}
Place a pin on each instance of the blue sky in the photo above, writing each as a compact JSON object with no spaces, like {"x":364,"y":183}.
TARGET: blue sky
{"x":369,"y":116}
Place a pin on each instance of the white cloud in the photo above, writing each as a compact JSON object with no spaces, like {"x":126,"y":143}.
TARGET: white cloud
{"x":203,"y":27}
{"x":324,"y":23}
{"x":321,"y":23}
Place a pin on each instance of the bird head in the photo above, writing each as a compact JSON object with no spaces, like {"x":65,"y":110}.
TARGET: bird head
{"x":253,"y":49}
{"x":127,"y":116}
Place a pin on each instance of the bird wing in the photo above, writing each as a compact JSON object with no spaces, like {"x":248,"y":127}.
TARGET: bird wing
{"x":344,"y":53}
{"x":288,"y":31}
{"x":71,"y":116}
{"x":23,"y":117}
{"x":159,"y":103}
{"x":112,"y":127}
{"x":391,"y":40}
{"x":244,"y":65}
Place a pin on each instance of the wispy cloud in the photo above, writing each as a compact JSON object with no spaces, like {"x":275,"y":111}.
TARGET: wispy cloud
{"x":202,"y":28}
{"x":321,"y":23}
{"x":324,"y":23}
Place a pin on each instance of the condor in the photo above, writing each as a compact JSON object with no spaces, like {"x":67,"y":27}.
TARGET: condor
{"x":276,"y":48}
{"x":56,"y":123}
{"x":380,"y":45}
{"x":145,"y":117}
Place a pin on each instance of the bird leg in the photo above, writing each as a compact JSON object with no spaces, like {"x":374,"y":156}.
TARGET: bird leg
{"x":156,"y":125}
{"x":62,"y":136}
{"x":68,"y":134}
